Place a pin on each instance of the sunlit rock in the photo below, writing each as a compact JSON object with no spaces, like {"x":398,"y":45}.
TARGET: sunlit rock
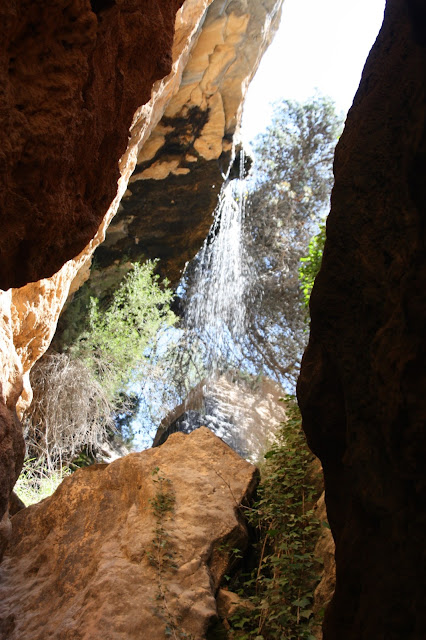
{"x":180,"y":169}
{"x":99,"y":559}
{"x":84,"y":89}
{"x":73,"y":78}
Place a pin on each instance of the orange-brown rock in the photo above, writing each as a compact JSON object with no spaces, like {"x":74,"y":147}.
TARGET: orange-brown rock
{"x":29,"y":314}
{"x":73,"y":73}
{"x":363,"y":380}
{"x":88,"y":563}
{"x":228,"y":605}
{"x":167,"y":209}
{"x":11,"y":386}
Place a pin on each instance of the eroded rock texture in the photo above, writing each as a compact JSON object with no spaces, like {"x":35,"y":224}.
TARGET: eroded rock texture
{"x":167,"y":210}
{"x":362,"y":384}
{"x":90,"y":549}
{"x":73,"y":75}
{"x":11,"y":437}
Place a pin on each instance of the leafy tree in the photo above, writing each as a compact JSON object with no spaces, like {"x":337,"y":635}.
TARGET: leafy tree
{"x":119,"y":339}
{"x":288,"y":196}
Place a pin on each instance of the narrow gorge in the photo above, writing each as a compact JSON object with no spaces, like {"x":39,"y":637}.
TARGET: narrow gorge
{"x":119,"y":122}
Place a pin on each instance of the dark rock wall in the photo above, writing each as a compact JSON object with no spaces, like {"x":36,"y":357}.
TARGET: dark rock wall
{"x":72,"y":74}
{"x":12,"y":449}
{"x":362,"y":388}
{"x":165,"y":219}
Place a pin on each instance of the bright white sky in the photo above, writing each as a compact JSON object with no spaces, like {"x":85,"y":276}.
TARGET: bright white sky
{"x":320,"y":44}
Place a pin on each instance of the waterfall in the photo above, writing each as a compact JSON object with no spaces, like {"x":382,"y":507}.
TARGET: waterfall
{"x":216,"y":308}
{"x":214,"y":323}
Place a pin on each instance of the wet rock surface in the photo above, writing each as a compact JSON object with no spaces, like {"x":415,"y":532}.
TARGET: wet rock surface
{"x":244,"y":413}
{"x":361,"y":388}
{"x":83,"y":564}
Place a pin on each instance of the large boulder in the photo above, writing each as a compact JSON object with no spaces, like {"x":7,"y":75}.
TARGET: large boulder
{"x":133,"y":549}
{"x":363,"y":380}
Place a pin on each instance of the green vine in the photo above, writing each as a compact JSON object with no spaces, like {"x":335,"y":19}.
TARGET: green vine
{"x":161,"y":554}
{"x":311,"y":264}
{"x":281,"y":586}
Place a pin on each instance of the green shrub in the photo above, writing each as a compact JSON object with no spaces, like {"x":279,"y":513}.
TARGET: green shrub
{"x":311,"y":264}
{"x":282,"y":585}
{"x":78,"y":394}
{"x":120,"y":336}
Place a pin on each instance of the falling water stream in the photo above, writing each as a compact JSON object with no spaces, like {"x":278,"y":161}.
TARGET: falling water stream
{"x":216,"y":309}
{"x":215,"y":322}
{"x":216,"y":316}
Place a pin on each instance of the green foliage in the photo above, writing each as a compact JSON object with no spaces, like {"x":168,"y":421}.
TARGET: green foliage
{"x":119,"y":337}
{"x":78,"y":394}
{"x":289,"y":195}
{"x":127,"y":408}
{"x":310,"y":265}
{"x":281,"y":587}
{"x":73,"y":321}
{"x":286,"y":195}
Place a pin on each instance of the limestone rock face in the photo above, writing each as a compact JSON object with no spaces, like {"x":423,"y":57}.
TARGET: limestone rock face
{"x":83,"y":86}
{"x":11,"y":384}
{"x":167,"y":209}
{"x":363,"y":380}
{"x":73,"y":74}
{"x":84,"y":564}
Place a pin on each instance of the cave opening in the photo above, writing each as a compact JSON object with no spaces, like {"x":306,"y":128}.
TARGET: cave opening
{"x":123,"y":372}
